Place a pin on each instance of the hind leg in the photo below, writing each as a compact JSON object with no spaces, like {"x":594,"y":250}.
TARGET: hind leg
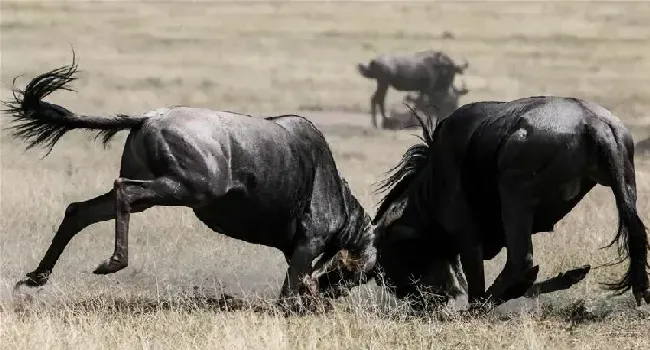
{"x":518,"y":274}
{"x":532,"y":167}
{"x":637,"y":241}
{"x":138,"y":195}
{"x":78,"y":216}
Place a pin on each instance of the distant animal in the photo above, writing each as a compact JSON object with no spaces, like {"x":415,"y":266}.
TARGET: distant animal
{"x":491,"y":175}
{"x":269,"y":181}
{"x":428,"y":72}
{"x":441,"y":108}
{"x":643,"y":146}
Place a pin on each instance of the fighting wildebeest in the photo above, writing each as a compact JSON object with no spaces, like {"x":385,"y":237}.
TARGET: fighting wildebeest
{"x":491,"y":175}
{"x":441,"y":108}
{"x":428,"y":72}
{"x":269,"y":181}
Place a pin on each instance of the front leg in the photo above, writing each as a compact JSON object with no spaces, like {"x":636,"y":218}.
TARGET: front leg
{"x":299,"y":271}
{"x":309,"y":244}
{"x":472,"y":261}
{"x":299,"y":268}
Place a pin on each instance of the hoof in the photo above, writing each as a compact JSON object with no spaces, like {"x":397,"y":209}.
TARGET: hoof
{"x":517,"y":289}
{"x":520,"y":288}
{"x":642,"y":296}
{"x":531,"y":274}
{"x":109,"y":266}
{"x":34,"y":279}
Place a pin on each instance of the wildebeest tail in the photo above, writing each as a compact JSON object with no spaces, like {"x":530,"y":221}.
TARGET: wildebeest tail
{"x":40,"y":123}
{"x":366,"y":70}
{"x":617,"y":152}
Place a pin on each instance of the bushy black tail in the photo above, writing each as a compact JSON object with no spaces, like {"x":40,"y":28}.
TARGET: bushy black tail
{"x":631,"y":236}
{"x":40,"y":123}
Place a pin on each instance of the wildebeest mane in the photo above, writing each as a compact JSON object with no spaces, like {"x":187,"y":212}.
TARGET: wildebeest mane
{"x":412,"y":163}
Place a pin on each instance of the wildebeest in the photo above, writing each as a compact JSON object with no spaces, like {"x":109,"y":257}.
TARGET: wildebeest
{"x":269,"y":181}
{"x":441,"y":108}
{"x":491,"y":175}
{"x":643,"y":146}
{"x":428,"y":72}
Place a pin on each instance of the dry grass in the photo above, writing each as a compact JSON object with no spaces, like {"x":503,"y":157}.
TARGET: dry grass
{"x":278,"y":57}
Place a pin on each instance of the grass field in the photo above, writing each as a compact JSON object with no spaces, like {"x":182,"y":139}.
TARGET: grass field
{"x":272,"y":57}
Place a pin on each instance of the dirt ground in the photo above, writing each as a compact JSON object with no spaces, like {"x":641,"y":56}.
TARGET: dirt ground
{"x":278,"y":57}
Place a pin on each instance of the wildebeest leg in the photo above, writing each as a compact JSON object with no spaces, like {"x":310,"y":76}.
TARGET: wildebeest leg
{"x":138,"y":195}
{"x":308,"y":247}
{"x":378,"y":99}
{"x":299,"y":267}
{"x":472,"y":261}
{"x":518,"y":275}
{"x":78,"y":216}
{"x":373,"y":107}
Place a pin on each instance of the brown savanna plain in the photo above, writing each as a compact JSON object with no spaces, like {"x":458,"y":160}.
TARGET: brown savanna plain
{"x":273,"y":57}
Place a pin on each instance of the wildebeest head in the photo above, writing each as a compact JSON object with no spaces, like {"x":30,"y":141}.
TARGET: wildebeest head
{"x":413,"y":263}
{"x":411,"y":254}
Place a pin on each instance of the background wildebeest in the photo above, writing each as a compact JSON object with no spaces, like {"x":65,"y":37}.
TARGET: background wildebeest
{"x":445,"y":104}
{"x":266,"y":181}
{"x":494,"y":173}
{"x":643,"y":146}
{"x":427,"y":72}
